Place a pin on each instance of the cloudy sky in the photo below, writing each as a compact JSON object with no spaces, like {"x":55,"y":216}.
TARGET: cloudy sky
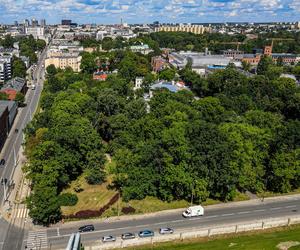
{"x":145,"y":11}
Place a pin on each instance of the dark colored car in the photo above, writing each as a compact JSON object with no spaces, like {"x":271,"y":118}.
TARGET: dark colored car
{"x":146,"y":233}
{"x":2,"y":162}
{"x":86,"y":228}
{"x":127,"y":236}
{"x":166,"y":230}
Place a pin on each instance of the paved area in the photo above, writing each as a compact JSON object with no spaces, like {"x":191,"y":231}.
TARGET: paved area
{"x":215,"y":216}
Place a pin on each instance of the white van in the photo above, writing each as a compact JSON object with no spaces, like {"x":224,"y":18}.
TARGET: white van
{"x":193,"y":211}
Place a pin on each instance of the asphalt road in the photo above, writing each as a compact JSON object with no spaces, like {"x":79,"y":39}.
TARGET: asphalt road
{"x":214,"y":217}
{"x":11,"y":237}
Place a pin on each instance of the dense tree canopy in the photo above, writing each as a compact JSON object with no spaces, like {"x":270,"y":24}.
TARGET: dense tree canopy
{"x":229,"y":134}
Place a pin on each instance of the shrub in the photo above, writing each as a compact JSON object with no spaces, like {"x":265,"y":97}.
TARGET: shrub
{"x":95,"y":176}
{"x":128,"y":210}
{"x":68,"y":199}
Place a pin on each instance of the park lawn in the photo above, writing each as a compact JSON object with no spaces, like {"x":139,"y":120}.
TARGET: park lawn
{"x":260,"y":240}
{"x":93,"y":197}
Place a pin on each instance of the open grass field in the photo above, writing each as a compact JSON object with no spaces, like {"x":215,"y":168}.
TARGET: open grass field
{"x":281,"y":239}
{"x":92,"y":197}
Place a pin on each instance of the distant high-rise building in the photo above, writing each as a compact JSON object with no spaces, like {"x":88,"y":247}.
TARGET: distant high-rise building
{"x":43,"y":22}
{"x":26,"y":22}
{"x":297,"y":25}
{"x":66,"y":22}
{"x":16,"y":23}
{"x":34,"y":22}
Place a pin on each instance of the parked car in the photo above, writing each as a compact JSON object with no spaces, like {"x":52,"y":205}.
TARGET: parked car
{"x":2,"y":162}
{"x":86,"y":228}
{"x":146,"y":233}
{"x":109,"y":238}
{"x":127,"y":236}
{"x":166,"y":230}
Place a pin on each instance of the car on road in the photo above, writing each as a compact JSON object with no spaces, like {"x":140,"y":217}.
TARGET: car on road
{"x":2,"y":162}
{"x":166,"y":230}
{"x":127,"y":236}
{"x":146,"y":233}
{"x":193,"y":211}
{"x":109,"y":238}
{"x":86,"y":228}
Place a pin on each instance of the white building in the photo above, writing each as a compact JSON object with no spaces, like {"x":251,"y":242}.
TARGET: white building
{"x":37,"y":32}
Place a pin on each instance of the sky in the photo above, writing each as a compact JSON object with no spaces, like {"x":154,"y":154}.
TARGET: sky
{"x":148,"y":11}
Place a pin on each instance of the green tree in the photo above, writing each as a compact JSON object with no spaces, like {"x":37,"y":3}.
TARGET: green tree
{"x":19,"y":68}
{"x":264,"y":64}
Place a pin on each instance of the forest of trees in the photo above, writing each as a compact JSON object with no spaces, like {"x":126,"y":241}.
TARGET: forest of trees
{"x":28,"y":45}
{"x":215,"y":42}
{"x":239,"y":134}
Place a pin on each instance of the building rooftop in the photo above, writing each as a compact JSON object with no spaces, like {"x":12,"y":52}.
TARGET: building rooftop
{"x":16,"y":83}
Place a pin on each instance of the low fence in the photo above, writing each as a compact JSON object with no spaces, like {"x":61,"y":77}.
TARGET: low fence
{"x":195,"y":233}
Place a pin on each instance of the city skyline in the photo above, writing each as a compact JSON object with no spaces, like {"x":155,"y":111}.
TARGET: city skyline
{"x":142,"y":11}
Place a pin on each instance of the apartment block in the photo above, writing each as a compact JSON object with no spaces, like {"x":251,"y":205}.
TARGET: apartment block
{"x":196,"y":29}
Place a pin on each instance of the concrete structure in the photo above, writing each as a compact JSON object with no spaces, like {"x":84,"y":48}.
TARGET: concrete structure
{"x":196,"y":29}
{"x":37,"y":32}
{"x":43,"y":22}
{"x":63,"y":60}
{"x":8,"y":112}
{"x":3,"y":125}
{"x":12,"y":110}
{"x":5,"y":67}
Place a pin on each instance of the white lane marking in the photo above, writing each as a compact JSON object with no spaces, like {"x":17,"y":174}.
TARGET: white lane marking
{"x":275,"y":208}
{"x":212,"y":216}
{"x":58,"y":231}
{"x":290,"y":206}
{"x":244,"y":212}
{"x":259,"y":210}
{"x":227,"y":214}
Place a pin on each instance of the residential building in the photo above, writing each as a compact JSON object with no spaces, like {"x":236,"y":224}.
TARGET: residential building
{"x":158,"y":63}
{"x":100,"y":76}
{"x":5,"y":67}
{"x":12,"y":111}
{"x":143,"y":49}
{"x":64,"y":60}
{"x":196,"y":29}
{"x":138,"y":83}
{"x":14,"y":86}
{"x":37,"y":32}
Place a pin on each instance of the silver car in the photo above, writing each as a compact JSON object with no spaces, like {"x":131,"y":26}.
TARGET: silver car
{"x":127,"y":236}
{"x":166,"y":230}
{"x":109,"y":238}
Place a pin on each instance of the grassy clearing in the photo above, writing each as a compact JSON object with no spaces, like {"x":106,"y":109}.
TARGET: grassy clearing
{"x":92,"y":197}
{"x":266,"y":240}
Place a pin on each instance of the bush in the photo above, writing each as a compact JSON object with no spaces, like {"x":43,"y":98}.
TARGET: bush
{"x":68,"y":199}
{"x":128,"y":210}
{"x":95,"y":176}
